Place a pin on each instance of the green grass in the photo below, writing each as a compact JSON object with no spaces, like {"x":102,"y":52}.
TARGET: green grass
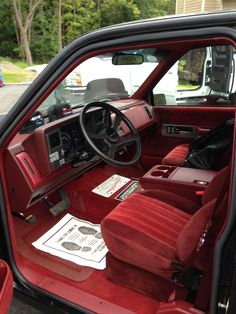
{"x":11,"y":77}
{"x":187,"y":86}
{"x":20,"y":64}
{"x":15,"y":74}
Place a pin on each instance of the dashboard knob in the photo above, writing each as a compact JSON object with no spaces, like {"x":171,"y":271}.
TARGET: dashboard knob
{"x":83,"y":155}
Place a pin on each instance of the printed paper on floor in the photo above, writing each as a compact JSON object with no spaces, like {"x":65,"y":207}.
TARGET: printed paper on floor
{"x":111,"y":185}
{"x":76,"y":240}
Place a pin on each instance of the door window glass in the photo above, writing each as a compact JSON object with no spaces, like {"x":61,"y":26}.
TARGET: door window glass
{"x":203,"y":77}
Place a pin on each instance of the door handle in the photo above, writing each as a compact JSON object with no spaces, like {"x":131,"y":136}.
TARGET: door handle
{"x":185,"y":132}
{"x":174,"y":130}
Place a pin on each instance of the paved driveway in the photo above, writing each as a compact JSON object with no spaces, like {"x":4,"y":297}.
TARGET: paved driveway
{"x":9,"y":94}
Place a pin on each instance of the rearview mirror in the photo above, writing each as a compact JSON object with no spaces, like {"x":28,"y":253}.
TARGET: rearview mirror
{"x":127,"y":59}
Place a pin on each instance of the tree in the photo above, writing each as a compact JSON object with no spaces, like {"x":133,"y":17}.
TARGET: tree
{"x":79,"y":17}
{"x":24,"y":14}
{"x":59,"y":25}
{"x":153,"y":8}
{"x":118,"y":11}
{"x":8,"y":41}
{"x":39,"y":28}
{"x":44,"y":32}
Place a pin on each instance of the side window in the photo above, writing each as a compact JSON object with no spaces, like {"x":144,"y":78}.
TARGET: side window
{"x":202,"y":77}
{"x":191,"y":70}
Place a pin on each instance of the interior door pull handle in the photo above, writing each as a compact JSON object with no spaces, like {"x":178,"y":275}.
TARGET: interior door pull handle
{"x":185,"y":132}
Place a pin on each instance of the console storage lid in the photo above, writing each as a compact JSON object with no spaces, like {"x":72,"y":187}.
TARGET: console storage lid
{"x":177,"y":178}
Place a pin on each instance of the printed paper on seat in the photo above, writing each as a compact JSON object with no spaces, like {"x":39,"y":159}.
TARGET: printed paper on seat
{"x":76,"y":240}
{"x":111,"y":185}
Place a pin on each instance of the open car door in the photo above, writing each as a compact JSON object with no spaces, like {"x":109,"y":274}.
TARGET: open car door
{"x":6,"y":287}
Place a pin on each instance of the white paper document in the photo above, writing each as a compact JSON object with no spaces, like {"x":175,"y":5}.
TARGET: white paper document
{"x":111,"y":185}
{"x":76,"y":240}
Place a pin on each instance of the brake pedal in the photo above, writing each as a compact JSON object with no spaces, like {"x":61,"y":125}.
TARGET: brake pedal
{"x":61,"y":206}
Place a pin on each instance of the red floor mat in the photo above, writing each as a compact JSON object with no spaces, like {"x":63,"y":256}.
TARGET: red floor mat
{"x":84,"y":203}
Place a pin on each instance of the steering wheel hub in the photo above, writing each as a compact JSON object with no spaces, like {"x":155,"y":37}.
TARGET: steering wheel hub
{"x":113,"y":135}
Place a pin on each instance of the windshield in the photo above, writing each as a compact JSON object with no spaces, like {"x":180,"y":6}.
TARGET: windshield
{"x":100,"y":78}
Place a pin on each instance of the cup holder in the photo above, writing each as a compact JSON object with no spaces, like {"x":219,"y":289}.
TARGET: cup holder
{"x":157,"y":173}
{"x":163,"y":168}
{"x":162,"y":171}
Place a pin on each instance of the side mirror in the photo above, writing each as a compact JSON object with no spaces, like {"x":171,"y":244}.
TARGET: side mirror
{"x":221,"y":71}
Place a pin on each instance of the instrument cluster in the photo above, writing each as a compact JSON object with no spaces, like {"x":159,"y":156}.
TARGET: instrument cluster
{"x":66,"y":144}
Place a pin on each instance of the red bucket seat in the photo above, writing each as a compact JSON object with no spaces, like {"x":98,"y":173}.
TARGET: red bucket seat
{"x":154,"y":232}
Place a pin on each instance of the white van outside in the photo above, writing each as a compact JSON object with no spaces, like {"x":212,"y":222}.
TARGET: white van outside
{"x":132,"y":75}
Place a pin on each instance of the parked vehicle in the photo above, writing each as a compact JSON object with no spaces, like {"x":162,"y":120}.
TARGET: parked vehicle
{"x":100,"y":210}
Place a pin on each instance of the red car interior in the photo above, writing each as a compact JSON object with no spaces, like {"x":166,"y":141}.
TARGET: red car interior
{"x":174,"y":198}
{"x":169,"y":225}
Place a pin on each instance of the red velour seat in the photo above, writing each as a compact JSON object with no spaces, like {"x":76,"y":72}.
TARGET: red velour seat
{"x":152,"y":233}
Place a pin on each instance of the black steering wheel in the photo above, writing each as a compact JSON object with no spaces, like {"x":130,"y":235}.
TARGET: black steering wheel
{"x":106,"y":140}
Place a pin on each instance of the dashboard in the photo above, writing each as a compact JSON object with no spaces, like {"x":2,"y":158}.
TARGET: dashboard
{"x":57,"y":152}
{"x":66,"y":144}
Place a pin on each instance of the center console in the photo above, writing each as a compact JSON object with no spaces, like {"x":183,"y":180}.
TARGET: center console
{"x":180,"y":180}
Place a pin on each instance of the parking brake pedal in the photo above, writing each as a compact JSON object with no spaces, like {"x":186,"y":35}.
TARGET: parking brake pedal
{"x":61,"y":206}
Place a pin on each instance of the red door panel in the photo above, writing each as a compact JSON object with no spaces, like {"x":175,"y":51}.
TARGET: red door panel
{"x":6,"y":287}
{"x":158,"y":144}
